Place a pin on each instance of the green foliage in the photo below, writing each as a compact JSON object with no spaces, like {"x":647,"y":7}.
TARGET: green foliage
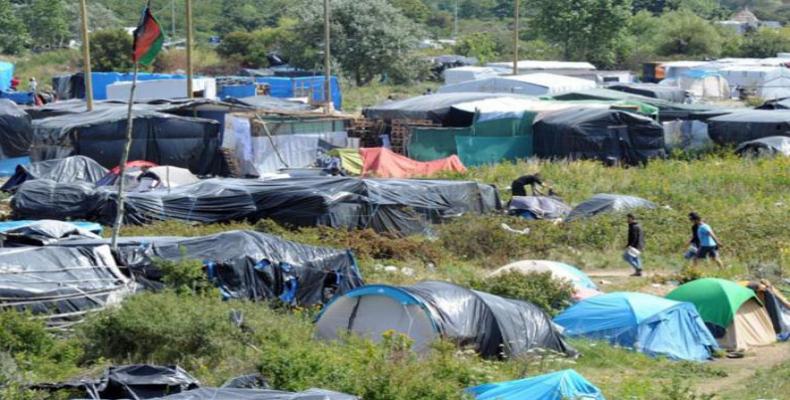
{"x":415,"y":10}
{"x":479,"y":45}
{"x":483,"y":238}
{"x":185,"y":276}
{"x":13,"y":33}
{"x":766,"y":42}
{"x":678,"y":390}
{"x":47,"y":22}
{"x":538,"y":288}
{"x":684,"y":33}
{"x":111,"y":50}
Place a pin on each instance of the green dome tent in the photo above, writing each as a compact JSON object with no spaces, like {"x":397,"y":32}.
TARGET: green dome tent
{"x":731,"y":311}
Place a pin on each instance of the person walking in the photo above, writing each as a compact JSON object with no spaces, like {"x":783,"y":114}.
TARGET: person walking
{"x":32,"y":84}
{"x":636,"y":243}
{"x":709,"y":244}
{"x":518,"y":186}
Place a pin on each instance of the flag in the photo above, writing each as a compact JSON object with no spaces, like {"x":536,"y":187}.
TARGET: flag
{"x":148,"y":38}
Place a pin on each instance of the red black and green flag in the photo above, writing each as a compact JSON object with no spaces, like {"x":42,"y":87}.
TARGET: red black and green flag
{"x":148,"y":38}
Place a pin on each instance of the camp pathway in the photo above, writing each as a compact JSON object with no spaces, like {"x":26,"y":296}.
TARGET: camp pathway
{"x":739,"y":370}
{"x":620,"y":280}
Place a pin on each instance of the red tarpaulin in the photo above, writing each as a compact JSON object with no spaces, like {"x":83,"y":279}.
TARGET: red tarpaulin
{"x":383,"y":163}
{"x":133,"y":164}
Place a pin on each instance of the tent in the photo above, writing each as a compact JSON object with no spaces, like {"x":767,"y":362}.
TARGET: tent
{"x":44,"y":232}
{"x":646,"y":323}
{"x":62,"y":170}
{"x":468,"y":73}
{"x":703,"y":84}
{"x":768,"y":146}
{"x":384,"y":163}
{"x":61,"y":284}
{"x":492,"y":325}
{"x":561,"y":385}
{"x":598,"y":134}
{"x":558,"y":270}
{"x":732,"y":312}
{"x":158,"y":137}
{"x":538,"y":207}
{"x":606,"y":203}
{"x":434,"y":107}
{"x":653,"y":90}
{"x":746,"y":125}
{"x":776,"y":305}
{"x":537,"y":84}
{"x":16,"y":130}
{"x":169,"y":177}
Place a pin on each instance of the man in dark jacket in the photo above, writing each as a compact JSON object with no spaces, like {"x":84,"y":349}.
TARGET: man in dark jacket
{"x":636,"y":243}
{"x":518,"y":187}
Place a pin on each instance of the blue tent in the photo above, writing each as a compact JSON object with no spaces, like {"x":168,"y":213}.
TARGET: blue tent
{"x":6,"y":74}
{"x":650,"y":324}
{"x":560,"y":385}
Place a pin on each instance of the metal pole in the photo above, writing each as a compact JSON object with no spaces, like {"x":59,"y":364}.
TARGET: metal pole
{"x":116,"y":229}
{"x":515,"y":37}
{"x":327,"y":55}
{"x":455,"y":21}
{"x":173,"y":19}
{"x":190,"y":92}
{"x":86,"y":55}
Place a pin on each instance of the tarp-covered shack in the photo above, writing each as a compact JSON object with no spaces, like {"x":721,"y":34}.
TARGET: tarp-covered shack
{"x":63,"y":170}
{"x":538,"y":84}
{"x":16,"y":130}
{"x":746,"y":125}
{"x":434,"y":107}
{"x":598,"y":134}
{"x":668,"y":93}
{"x":165,"y":139}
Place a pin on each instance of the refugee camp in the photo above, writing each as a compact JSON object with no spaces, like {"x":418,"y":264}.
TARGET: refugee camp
{"x":394,"y":199}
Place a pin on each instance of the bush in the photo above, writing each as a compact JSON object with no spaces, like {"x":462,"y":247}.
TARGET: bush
{"x":538,"y":288}
{"x":186,"y":276}
{"x":475,"y":237}
{"x":110,"y":50}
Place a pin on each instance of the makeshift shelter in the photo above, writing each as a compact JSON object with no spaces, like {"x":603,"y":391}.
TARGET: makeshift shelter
{"x":606,"y":203}
{"x":468,"y":73}
{"x":558,"y":270}
{"x":311,"y":87}
{"x":540,"y":65}
{"x":434,"y":107}
{"x":492,"y":325}
{"x":776,"y":305}
{"x":158,"y":137}
{"x":538,"y":207}
{"x":732,"y":312}
{"x":767,"y":146}
{"x":560,"y":385}
{"x":16,"y":130}
{"x":384,"y":163}
{"x":668,"y":93}
{"x":168,"y":177}
{"x":598,"y":134}
{"x":60,"y":284}
{"x":746,"y":125}
{"x":271,"y":104}
{"x":43,"y":232}
{"x":703,"y":84}
{"x":646,"y":323}
{"x":7,"y":226}
{"x":395,"y":206}
{"x":62,"y":170}
{"x":537,"y":84}
{"x":163,"y":89}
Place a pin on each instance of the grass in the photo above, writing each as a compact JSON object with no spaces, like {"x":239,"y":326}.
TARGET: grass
{"x":45,"y":65}
{"x":767,"y":383}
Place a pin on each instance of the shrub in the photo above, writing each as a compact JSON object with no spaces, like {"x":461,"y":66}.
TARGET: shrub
{"x":538,"y":288}
{"x":186,"y":276}
{"x":483,"y":238}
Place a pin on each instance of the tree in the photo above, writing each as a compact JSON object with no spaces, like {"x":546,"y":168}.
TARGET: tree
{"x":416,"y":10}
{"x":250,"y":49}
{"x":99,"y":17}
{"x":708,"y":9}
{"x":47,"y":22}
{"x":584,"y":29}
{"x":684,"y":33}
{"x":13,"y":34}
{"x":766,"y":42}
{"x":479,"y":45}
{"x":111,"y":50}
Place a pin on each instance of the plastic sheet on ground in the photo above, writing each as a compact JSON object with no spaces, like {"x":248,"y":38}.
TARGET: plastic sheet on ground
{"x":64,"y":170}
{"x":257,"y":394}
{"x":384,"y":205}
{"x":384,"y":163}
{"x":606,"y":203}
{"x":539,"y":207}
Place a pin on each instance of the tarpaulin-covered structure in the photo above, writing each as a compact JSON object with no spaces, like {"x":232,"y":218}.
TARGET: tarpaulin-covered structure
{"x":303,"y":86}
{"x":733,"y":313}
{"x":536,"y":84}
{"x":6,"y":75}
{"x":384,"y":205}
{"x":434,"y":107}
{"x":598,"y":134}
{"x":538,"y":207}
{"x":646,"y":323}
{"x":776,"y":305}
{"x":43,"y":232}
{"x":62,"y":170}
{"x":668,"y":93}
{"x":427,"y":311}
{"x":247,"y":264}
{"x":16,"y":130}
{"x":60,"y":284}
{"x":165,"y":139}
{"x":384,"y":163}
{"x":606,"y":203}
{"x":746,"y":125}
{"x":767,"y":146}
{"x":560,"y":385}
{"x":72,"y":86}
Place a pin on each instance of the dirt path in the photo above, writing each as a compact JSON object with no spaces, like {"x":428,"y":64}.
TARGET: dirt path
{"x":616,"y":280}
{"x":741,"y":369}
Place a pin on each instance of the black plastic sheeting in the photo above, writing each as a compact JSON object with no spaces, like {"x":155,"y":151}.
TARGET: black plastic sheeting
{"x":778,"y":104}
{"x":61,"y":284}
{"x":269,"y":103}
{"x":44,"y":232}
{"x":165,"y":139}
{"x":746,"y":125}
{"x":384,"y":205}
{"x":434,"y":107}
{"x":257,"y":394}
{"x":538,"y":207}
{"x":767,"y":146}
{"x":493,"y":325}
{"x":138,"y":381}
{"x":606,"y":203}
{"x":62,"y":170}
{"x":247,"y":265}
{"x":16,"y":130}
{"x":668,"y":93}
{"x":598,"y":134}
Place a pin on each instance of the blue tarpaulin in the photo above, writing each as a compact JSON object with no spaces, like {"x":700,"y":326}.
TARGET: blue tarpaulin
{"x":8,"y":166}
{"x":236,"y":91}
{"x":313,"y":86}
{"x":6,"y":74}
{"x":88,"y":226}
{"x":649,"y":324}
{"x":21,"y":98}
{"x":560,"y":385}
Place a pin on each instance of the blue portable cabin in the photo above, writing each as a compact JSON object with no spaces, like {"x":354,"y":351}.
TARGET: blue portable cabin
{"x":560,"y":385}
{"x":649,"y":324}
{"x":313,"y":86}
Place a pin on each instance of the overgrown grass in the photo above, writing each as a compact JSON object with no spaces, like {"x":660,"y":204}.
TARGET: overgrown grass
{"x":45,"y":65}
{"x":767,"y":383}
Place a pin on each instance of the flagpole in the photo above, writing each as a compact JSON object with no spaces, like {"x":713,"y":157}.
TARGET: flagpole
{"x":190,"y":92}
{"x":124,"y":159}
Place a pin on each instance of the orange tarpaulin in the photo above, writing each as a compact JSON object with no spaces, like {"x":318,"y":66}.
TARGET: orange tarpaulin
{"x":383,"y":163}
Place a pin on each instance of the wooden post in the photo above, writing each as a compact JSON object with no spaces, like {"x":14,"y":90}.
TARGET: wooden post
{"x":515,"y":37}
{"x":116,"y":229}
{"x":327,"y":56}
{"x":190,"y":91}
{"x":86,"y":56}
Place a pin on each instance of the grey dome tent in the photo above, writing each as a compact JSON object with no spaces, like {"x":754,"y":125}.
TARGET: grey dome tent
{"x":16,"y":130}
{"x":604,"y":203}
{"x":492,"y":325}
{"x":592,"y":133}
{"x":746,"y":125}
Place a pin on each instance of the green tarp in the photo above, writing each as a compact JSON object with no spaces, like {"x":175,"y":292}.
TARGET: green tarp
{"x":480,"y":150}
{"x":717,"y":300}
{"x":428,"y":144}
